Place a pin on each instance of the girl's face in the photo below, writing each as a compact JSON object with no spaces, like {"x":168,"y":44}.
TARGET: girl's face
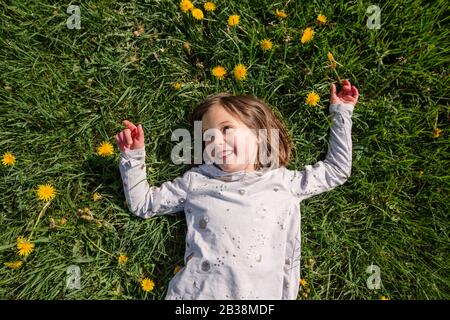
{"x":229,"y":143}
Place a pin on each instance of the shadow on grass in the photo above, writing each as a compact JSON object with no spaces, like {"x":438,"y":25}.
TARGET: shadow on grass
{"x":104,"y":172}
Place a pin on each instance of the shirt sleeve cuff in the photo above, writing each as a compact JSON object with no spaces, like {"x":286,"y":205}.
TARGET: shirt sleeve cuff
{"x":133,"y":154}
{"x":341,"y":107}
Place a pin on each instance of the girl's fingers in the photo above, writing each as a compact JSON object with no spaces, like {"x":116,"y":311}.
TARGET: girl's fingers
{"x":120,"y":142}
{"x":129,"y":124}
{"x":333,"y":89}
{"x":123,"y":139}
{"x":140,"y":133}
{"x":347,"y":89}
{"x":127,"y":134}
{"x":355,"y":92}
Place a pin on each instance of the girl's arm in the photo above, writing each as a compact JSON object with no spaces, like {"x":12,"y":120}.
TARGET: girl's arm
{"x":143,"y":200}
{"x":147,"y":201}
{"x":336,"y":168}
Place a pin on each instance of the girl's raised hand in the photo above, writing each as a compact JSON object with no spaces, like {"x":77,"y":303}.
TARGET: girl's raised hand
{"x":349,"y":94}
{"x":132,"y":137}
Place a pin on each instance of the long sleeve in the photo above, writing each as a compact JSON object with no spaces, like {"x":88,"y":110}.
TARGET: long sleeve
{"x":147,"y":201}
{"x":336,"y":168}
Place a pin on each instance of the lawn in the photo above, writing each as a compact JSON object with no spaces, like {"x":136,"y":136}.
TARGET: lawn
{"x":64,"y":91}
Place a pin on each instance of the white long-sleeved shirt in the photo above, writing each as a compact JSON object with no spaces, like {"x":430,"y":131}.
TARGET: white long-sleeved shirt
{"x":243,"y":237}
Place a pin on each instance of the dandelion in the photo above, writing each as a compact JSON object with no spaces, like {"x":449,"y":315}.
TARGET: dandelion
{"x":24,"y":246}
{"x":281,"y":14}
{"x":197,"y":14}
{"x":437,"y":133}
{"x":13,"y":265}
{"x":177,"y":268}
{"x":147,"y":284}
{"x":240,"y":72}
{"x":8,"y":159}
{"x":321,"y":18}
{"x":122,"y":259}
{"x":186,"y":5}
{"x":384,"y":298}
{"x":209,"y":6}
{"x":331,"y":59}
{"x":96,"y":196}
{"x":233,"y":20}
{"x":420,"y":173}
{"x":312,"y":98}
{"x":219,"y":72}
{"x":177,"y":85}
{"x":105,"y":149}
{"x":308,"y":35}
{"x":303,"y":283}
{"x":266,"y":44}
{"x":46,"y":192}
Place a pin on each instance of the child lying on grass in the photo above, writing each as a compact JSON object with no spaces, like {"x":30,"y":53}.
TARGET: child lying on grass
{"x":243,"y":217}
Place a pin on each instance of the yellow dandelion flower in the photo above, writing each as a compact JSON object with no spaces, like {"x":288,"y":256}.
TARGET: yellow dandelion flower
{"x":384,"y":298}
{"x":105,"y":149}
{"x":308,"y":35}
{"x":209,"y":6}
{"x":437,"y":133}
{"x":331,"y":59}
{"x":266,"y":44}
{"x":197,"y":14}
{"x":219,"y":72}
{"x":321,"y":18}
{"x":303,"y":283}
{"x":147,"y":284}
{"x":186,"y":5}
{"x":420,"y":173}
{"x":46,"y":192}
{"x":312,"y":98}
{"x":24,"y":246}
{"x":177,"y":85}
{"x":240,"y":72}
{"x":96,"y":196}
{"x":122,"y":259}
{"x":233,"y":20}
{"x":13,"y":265}
{"x":281,"y":14}
{"x":177,"y":268}
{"x":8,"y":159}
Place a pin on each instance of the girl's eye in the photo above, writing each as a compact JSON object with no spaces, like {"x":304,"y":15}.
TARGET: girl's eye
{"x":227,"y":128}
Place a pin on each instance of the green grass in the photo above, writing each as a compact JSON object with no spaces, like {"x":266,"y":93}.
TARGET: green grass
{"x":64,"y":91}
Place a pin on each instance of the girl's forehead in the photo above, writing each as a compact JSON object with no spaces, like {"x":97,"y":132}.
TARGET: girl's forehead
{"x":217,"y":115}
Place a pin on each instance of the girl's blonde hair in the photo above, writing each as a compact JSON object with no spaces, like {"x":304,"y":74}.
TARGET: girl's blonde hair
{"x":255,"y":114}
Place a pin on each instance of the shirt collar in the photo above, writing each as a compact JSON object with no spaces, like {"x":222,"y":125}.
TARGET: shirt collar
{"x":213,"y":171}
